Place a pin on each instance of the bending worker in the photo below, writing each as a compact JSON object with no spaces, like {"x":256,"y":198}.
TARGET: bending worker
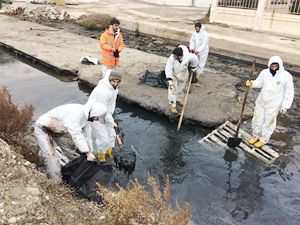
{"x":111,"y":43}
{"x":277,"y":93}
{"x":177,"y":73}
{"x":67,"y":126}
{"x":199,"y":46}
{"x":106,"y":92}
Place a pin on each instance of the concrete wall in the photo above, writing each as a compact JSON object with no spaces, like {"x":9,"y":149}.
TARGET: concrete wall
{"x":195,"y":3}
{"x":256,"y":19}
{"x":285,"y":23}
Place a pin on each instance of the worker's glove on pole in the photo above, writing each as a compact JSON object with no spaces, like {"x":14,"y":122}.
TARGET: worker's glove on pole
{"x":283,"y":111}
{"x":171,"y":85}
{"x":249,"y":83}
{"x":90,"y":157}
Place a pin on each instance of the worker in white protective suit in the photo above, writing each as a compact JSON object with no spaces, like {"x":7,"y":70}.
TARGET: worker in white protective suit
{"x":69,"y":127}
{"x":177,"y":74}
{"x":106,"y":92}
{"x":199,"y":46}
{"x":277,"y":93}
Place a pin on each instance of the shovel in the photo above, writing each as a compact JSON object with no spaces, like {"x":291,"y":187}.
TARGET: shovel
{"x":235,"y":141}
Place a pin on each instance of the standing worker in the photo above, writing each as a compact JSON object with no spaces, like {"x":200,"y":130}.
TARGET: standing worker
{"x":67,"y":126}
{"x":199,"y":46}
{"x":111,"y":43}
{"x":106,"y":92}
{"x":277,"y":93}
{"x":177,"y":73}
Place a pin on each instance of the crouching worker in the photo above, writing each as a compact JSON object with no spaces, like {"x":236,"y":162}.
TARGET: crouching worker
{"x":106,"y":92}
{"x":67,"y":126}
{"x":277,"y":93}
{"x":177,"y":74}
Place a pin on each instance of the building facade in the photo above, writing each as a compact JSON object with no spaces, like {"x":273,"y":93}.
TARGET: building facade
{"x":279,"y":16}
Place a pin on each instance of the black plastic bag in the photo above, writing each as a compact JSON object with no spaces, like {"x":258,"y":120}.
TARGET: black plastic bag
{"x":154,"y":79}
{"x":83,"y":174}
{"x":125,"y":160}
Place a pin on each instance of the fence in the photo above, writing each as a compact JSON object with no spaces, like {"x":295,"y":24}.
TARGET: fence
{"x":278,"y":6}
{"x":243,"y":4}
{"x":284,"y":6}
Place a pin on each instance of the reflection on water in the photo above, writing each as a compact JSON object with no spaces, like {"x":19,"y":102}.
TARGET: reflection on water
{"x":222,"y":188}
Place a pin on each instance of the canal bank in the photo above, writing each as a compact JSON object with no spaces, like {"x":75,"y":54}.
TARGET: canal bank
{"x":217,"y":92}
{"x":176,"y":23}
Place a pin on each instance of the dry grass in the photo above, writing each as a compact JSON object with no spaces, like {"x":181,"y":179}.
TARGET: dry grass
{"x":15,"y":125}
{"x":137,"y":206}
{"x":94,"y":21}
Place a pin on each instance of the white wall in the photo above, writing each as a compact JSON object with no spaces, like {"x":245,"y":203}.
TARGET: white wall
{"x":196,"y":3}
{"x":256,"y":19}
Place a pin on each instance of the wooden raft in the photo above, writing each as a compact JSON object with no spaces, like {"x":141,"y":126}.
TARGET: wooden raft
{"x":222,"y":133}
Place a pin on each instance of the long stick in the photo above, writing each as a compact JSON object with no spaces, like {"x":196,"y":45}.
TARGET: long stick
{"x":184,"y":104}
{"x":244,"y":102}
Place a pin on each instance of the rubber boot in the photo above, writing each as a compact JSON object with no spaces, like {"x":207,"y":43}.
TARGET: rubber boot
{"x":259,"y":144}
{"x":173,"y":109}
{"x":102,"y":157}
{"x":109,"y":153}
{"x":253,"y":140}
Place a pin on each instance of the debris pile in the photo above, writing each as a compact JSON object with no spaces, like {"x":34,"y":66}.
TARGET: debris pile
{"x":41,"y":14}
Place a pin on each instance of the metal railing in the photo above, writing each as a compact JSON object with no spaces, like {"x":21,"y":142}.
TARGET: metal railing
{"x":243,"y":4}
{"x":284,"y":6}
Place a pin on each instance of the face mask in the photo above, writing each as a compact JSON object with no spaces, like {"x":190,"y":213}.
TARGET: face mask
{"x":273,"y":72}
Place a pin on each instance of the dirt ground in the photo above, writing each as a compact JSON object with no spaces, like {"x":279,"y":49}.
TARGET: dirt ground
{"x":28,"y":197}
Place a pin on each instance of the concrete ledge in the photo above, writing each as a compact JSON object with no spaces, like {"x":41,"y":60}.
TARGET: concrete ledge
{"x":214,"y":102}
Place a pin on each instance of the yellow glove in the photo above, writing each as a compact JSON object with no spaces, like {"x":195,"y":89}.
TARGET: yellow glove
{"x":249,"y":83}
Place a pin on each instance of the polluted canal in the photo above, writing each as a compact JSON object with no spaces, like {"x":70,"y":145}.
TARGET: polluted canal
{"x":220,"y":187}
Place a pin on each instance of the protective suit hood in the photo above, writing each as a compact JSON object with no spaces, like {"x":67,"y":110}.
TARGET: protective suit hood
{"x":93,"y":108}
{"x":185,"y":50}
{"x":276,"y":59}
{"x":202,"y":28}
{"x":98,"y":109}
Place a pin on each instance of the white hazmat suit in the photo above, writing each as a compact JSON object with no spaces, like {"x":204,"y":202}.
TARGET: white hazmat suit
{"x":178,"y":72}
{"x":199,"y":42}
{"x":277,"y":93}
{"x":68,"y":127}
{"x":105,"y":134}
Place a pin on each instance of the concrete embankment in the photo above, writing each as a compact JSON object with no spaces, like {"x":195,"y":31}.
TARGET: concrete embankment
{"x":210,"y":104}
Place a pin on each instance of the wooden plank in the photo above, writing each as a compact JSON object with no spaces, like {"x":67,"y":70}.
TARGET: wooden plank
{"x":227,"y":130}
{"x":219,"y":142}
{"x":225,"y":137}
{"x":246,"y":136}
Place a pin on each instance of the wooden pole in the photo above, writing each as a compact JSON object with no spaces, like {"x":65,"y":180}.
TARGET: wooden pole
{"x":184,"y":104}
